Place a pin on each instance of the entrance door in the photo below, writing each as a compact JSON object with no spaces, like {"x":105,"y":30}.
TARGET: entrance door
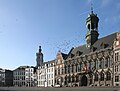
{"x":84,"y":81}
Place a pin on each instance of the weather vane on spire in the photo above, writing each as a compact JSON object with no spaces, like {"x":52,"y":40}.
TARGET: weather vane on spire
{"x":91,"y":8}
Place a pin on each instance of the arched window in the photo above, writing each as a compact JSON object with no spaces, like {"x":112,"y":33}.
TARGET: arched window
{"x":102,"y":76}
{"x":65,"y":80}
{"x":108,"y":75}
{"x":73,"y":78}
{"x":65,"y":69}
{"x":77,"y":78}
{"x":68,"y":68}
{"x":58,"y":71}
{"x":89,"y":26}
{"x":92,"y":64}
{"x":106,"y":62}
{"x":102,"y":63}
{"x":96,"y":76}
{"x":61,"y":79}
{"x":72,"y":68}
{"x":69,"y":79}
{"x":76,"y":67}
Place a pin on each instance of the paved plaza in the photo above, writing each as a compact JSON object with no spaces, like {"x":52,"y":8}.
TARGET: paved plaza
{"x":60,"y":89}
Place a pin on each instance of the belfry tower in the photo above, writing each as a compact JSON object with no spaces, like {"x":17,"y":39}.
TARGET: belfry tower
{"x":39,"y":57}
{"x":92,"y":28}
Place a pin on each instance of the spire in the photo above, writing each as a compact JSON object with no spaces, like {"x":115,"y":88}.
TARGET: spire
{"x":91,"y":8}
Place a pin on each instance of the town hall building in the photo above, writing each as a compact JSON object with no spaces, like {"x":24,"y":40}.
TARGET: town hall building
{"x":96,"y":63}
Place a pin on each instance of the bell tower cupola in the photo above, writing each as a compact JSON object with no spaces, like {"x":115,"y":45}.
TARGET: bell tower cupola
{"x":39,"y":57}
{"x":92,"y":28}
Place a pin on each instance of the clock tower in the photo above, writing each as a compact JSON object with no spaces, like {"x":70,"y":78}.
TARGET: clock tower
{"x":92,"y":29}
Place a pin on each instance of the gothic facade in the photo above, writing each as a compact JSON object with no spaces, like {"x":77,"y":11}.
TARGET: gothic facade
{"x":91,"y":64}
{"x":95,"y":63}
{"x":116,"y":68}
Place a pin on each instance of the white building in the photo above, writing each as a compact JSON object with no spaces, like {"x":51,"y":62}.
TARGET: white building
{"x":49,"y":66}
{"x":30,"y":76}
{"x":41,"y":76}
{"x":45,"y":74}
{"x":19,"y":76}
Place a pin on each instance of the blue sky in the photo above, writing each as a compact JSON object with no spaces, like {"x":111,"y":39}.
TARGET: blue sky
{"x":53,"y":24}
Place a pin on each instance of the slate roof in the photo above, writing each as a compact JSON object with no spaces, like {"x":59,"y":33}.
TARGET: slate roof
{"x":21,"y":67}
{"x":107,"y":40}
{"x":52,"y":61}
{"x":64,"y":56}
{"x":104,"y":42}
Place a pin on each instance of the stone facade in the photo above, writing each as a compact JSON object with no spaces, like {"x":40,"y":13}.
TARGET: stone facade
{"x":117,"y":60}
{"x":91,"y":64}
{"x":95,"y":63}
{"x":59,"y":68}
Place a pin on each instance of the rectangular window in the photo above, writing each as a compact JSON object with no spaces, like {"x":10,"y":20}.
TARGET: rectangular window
{"x":68,"y":69}
{"x":49,"y":82}
{"x":52,"y":82}
{"x":52,"y":75}
{"x":116,"y":56}
{"x":116,"y":68}
{"x":52,"y":69}
{"x":116,"y":78}
{"x":55,"y":72}
{"x":58,"y":71}
{"x":62,"y":70}
{"x":102,"y":63}
{"x":65,"y":69}
{"x":96,"y":64}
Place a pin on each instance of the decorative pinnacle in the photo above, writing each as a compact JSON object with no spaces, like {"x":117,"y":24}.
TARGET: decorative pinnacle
{"x":40,"y":49}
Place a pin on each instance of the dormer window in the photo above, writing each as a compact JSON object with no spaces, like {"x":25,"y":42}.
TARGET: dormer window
{"x":104,"y":45}
{"x":72,"y":55}
{"x":78,"y":53}
{"x":93,"y":49}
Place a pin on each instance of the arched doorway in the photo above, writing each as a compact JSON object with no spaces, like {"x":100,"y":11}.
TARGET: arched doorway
{"x":83,"y":80}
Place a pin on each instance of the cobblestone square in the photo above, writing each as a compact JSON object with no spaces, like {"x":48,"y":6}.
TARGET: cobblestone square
{"x":60,"y":89}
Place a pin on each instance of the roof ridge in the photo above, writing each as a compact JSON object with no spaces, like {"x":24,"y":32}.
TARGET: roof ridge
{"x":107,"y":35}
